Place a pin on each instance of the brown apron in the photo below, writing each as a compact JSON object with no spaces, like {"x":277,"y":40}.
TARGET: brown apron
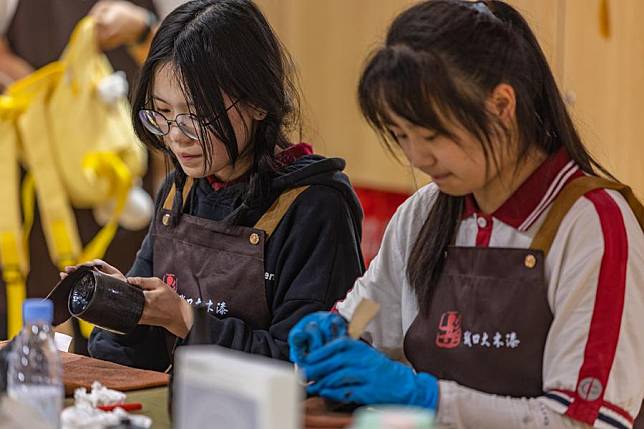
{"x":215,"y":264}
{"x":487,"y":323}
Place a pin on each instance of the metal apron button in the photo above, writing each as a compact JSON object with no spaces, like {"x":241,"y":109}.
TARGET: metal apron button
{"x":165,"y":219}
{"x":530,"y":261}
{"x":254,"y":239}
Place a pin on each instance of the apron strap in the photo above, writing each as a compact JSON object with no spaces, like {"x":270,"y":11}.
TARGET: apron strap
{"x":169,"y":200}
{"x":269,"y":220}
{"x":569,"y":195}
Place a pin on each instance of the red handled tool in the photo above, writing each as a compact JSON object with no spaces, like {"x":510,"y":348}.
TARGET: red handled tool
{"x":131,"y":406}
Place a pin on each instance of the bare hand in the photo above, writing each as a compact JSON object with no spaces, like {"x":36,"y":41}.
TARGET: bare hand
{"x":12,"y":67}
{"x":99,"y":264}
{"x":163,"y":307}
{"x":118,"y":23}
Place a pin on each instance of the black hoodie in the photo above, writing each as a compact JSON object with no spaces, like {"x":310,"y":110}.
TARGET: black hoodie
{"x":314,"y":256}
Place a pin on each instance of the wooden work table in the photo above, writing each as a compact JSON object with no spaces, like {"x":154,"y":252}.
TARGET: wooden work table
{"x":150,"y":388}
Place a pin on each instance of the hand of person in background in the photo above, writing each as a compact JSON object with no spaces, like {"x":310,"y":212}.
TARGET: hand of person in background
{"x":99,"y":264}
{"x":163,"y":306}
{"x":12,"y":67}
{"x":120,"y":22}
{"x":312,"y":332}
{"x":348,"y":370}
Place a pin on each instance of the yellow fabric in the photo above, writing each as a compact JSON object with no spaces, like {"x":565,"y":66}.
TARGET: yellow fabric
{"x":28,"y":200}
{"x":109,"y":166}
{"x":14,"y":279}
{"x":12,"y":246}
{"x":79,"y":149}
{"x":32,"y":95}
{"x":81,"y":122}
{"x":85,"y":328}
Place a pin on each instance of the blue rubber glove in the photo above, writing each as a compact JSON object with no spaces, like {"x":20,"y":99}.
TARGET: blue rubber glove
{"x":348,"y":370}
{"x":312,"y":332}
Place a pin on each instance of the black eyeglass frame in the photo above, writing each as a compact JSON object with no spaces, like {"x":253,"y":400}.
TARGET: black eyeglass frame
{"x":143,"y":114}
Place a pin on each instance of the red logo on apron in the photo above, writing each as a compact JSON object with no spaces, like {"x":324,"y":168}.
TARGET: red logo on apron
{"x":449,"y":330}
{"x":170,"y":280}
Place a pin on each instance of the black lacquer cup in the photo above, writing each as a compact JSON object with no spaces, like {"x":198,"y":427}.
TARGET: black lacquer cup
{"x":98,"y":298}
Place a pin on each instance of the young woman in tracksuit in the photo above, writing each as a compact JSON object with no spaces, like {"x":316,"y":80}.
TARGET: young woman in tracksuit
{"x":514,"y":283}
{"x":251,"y":233}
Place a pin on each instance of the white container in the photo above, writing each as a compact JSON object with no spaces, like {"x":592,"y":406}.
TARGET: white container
{"x":216,"y":387}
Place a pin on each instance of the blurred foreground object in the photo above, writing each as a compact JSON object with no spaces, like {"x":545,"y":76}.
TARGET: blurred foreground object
{"x":216,"y":387}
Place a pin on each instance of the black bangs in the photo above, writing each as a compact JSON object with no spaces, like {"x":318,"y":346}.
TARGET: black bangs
{"x":208,"y":102}
{"x":421,"y":87}
{"x":400,"y":81}
{"x":441,"y":62}
{"x":226,"y":47}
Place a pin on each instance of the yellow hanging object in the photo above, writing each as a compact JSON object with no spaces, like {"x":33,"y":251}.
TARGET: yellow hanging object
{"x":12,"y":246}
{"x":604,"y":19}
{"x":106,"y":164}
{"x":28,"y":199}
{"x":89,"y":113}
{"x":70,"y":124}
{"x":109,"y":166}
{"x":32,"y":94}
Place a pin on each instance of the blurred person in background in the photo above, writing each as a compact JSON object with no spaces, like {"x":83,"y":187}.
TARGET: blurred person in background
{"x":34,"y":33}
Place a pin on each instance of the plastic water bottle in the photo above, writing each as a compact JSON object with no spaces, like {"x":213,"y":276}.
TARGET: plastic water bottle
{"x":35,"y":371}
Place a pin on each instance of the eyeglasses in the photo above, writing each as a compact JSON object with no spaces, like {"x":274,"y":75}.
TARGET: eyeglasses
{"x":188,"y":123}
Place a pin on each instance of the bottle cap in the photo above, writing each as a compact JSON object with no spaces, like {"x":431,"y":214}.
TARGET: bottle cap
{"x":38,"y":310}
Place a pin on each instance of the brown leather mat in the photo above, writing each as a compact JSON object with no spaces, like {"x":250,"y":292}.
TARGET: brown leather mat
{"x":81,"y":371}
{"x":317,"y":416}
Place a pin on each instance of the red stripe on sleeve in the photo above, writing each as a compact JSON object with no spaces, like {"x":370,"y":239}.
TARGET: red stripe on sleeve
{"x":607,"y":312}
{"x":614,"y":408}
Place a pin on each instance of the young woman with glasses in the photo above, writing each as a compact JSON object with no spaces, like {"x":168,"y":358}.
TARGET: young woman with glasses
{"x":251,"y":232}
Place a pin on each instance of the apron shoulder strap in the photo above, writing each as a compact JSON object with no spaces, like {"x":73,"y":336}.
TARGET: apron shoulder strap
{"x":569,"y":195}
{"x":269,"y":220}
{"x":169,"y":199}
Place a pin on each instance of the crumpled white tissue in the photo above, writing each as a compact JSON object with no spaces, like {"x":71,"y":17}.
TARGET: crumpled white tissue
{"x":84,"y":414}
{"x":100,"y":395}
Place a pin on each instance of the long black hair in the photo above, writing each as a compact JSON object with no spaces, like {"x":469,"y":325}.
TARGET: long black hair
{"x":440,"y":62}
{"x":217,"y":46}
